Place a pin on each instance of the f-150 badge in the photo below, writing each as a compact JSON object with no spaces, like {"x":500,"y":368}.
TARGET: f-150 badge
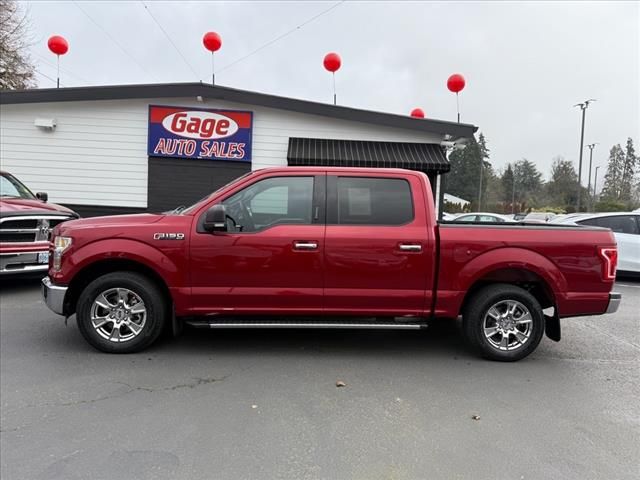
{"x":168,"y":236}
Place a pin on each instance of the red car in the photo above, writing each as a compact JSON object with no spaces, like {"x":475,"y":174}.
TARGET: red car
{"x":25,"y":223}
{"x":326,"y":248}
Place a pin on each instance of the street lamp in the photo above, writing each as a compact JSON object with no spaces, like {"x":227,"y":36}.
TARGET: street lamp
{"x":583,"y":106}
{"x":595,"y":183}
{"x":591,"y":146}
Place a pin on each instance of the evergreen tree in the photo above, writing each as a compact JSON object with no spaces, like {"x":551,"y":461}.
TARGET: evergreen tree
{"x":463,"y":180}
{"x":528,"y":182}
{"x":485,"y":169}
{"x":561,"y":189}
{"x":613,"y":179}
{"x":507,"y":182}
{"x":628,"y":172}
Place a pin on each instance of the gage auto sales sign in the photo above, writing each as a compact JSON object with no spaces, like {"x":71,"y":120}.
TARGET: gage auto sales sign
{"x":188,"y":132}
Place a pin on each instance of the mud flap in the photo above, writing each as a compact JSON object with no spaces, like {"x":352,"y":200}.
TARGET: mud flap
{"x":552,"y":326}
{"x":176,"y":325}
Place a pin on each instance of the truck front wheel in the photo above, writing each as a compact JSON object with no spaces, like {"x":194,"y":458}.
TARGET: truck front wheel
{"x":503,"y":322}
{"x":121,"y":312}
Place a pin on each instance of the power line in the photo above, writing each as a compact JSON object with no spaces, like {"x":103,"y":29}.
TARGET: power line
{"x":53,"y":65}
{"x":114,"y":40}
{"x":271,"y":42}
{"x":45,"y":76}
{"x":169,"y":38}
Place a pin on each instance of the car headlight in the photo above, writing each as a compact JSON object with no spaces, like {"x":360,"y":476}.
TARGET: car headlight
{"x":60,"y":245}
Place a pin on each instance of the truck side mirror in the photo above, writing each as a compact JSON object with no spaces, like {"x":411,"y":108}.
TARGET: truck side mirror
{"x":42,"y":196}
{"x":215,"y":220}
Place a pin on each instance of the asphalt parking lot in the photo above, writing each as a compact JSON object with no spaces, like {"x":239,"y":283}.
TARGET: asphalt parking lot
{"x":264,"y":404}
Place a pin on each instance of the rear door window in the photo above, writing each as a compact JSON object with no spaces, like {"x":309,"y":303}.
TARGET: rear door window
{"x":373,"y":201}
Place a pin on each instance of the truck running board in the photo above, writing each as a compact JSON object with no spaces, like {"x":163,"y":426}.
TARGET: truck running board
{"x":284,"y":323}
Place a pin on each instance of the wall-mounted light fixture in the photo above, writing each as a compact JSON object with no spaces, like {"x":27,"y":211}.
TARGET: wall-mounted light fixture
{"x":45,"y":123}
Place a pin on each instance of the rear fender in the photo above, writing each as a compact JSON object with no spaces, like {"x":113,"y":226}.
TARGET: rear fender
{"x":511,"y":258}
{"x":518,"y":259}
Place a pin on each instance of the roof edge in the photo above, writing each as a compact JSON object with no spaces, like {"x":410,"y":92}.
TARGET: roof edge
{"x":195,"y":89}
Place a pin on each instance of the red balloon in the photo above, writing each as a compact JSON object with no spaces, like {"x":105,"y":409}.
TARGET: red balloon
{"x":58,"y":45}
{"x":456,"y":83}
{"x":212,"y":41}
{"x":417,"y":113}
{"x":332,"y":62}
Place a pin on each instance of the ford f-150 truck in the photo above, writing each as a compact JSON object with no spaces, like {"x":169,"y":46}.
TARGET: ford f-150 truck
{"x":25,"y":223}
{"x":326,"y":247}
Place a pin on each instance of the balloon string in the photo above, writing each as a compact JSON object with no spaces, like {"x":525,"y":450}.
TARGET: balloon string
{"x":458,"y":106}
{"x":213,"y":71}
{"x":334,"y":88}
{"x":58,"y":74}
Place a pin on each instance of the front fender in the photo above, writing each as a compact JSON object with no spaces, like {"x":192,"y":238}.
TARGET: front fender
{"x":122,"y":249}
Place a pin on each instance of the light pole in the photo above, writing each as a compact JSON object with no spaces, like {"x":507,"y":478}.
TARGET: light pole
{"x":595,"y":183}
{"x":583,"y":106}
{"x":480,"y":188}
{"x":591,"y":146}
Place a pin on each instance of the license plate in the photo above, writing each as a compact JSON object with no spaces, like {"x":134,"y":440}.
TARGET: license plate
{"x":43,"y":257}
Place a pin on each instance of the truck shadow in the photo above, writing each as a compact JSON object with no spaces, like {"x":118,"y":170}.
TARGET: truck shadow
{"x":440,"y":339}
{"x":22,"y":283}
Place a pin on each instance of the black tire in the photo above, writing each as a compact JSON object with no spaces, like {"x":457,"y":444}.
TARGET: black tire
{"x":154,"y":303}
{"x":477,"y":308}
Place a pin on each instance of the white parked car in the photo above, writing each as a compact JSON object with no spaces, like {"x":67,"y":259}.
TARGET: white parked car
{"x":626,"y":229}
{"x":482,"y":217}
{"x":539,"y":217}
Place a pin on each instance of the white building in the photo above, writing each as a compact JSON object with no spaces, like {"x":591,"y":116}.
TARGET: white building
{"x":132,"y":148}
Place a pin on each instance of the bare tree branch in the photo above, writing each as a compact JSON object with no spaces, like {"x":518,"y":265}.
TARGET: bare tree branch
{"x":16,"y":67}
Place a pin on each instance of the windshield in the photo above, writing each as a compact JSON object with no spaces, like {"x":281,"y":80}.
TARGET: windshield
{"x":10,"y":186}
{"x":182,"y":210}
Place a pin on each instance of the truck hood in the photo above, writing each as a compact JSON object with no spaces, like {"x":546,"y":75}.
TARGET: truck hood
{"x":113,"y":221}
{"x":19,"y":206}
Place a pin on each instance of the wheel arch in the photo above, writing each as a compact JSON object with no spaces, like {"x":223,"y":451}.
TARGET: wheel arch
{"x":521,"y":277}
{"x":102,"y":267}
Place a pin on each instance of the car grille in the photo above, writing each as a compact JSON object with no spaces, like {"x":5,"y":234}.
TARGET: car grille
{"x":28,"y":229}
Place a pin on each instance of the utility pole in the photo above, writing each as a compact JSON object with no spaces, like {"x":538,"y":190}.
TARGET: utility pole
{"x":591,"y":146}
{"x":583,"y":106}
{"x":480,"y":188}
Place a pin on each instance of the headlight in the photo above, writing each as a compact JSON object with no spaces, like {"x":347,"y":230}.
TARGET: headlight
{"x":60,"y":244}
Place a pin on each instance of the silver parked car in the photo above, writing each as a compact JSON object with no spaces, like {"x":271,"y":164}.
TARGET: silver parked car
{"x":483,"y":218}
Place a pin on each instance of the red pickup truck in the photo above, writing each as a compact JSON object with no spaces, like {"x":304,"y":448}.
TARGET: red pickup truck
{"x":25,"y":223}
{"x":326,"y":248}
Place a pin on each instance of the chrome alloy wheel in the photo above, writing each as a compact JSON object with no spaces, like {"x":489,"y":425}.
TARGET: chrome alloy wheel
{"x":508,"y":325}
{"x":118,"y":314}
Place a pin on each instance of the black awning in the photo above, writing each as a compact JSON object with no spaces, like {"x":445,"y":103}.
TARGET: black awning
{"x":424,"y":157}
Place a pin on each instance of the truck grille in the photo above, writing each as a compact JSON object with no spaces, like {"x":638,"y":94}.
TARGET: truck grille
{"x":28,"y":229}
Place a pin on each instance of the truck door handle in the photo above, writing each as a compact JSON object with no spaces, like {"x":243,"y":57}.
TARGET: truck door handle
{"x":410,"y":247}
{"x":305,"y":245}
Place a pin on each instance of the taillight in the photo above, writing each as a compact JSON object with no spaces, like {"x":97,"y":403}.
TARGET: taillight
{"x":609,"y":258}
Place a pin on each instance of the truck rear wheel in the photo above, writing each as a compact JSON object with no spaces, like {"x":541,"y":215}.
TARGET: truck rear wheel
{"x":503,"y":322}
{"x":121,"y":312}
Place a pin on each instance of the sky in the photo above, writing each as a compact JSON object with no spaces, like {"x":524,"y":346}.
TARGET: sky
{"x":526,"y":63}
